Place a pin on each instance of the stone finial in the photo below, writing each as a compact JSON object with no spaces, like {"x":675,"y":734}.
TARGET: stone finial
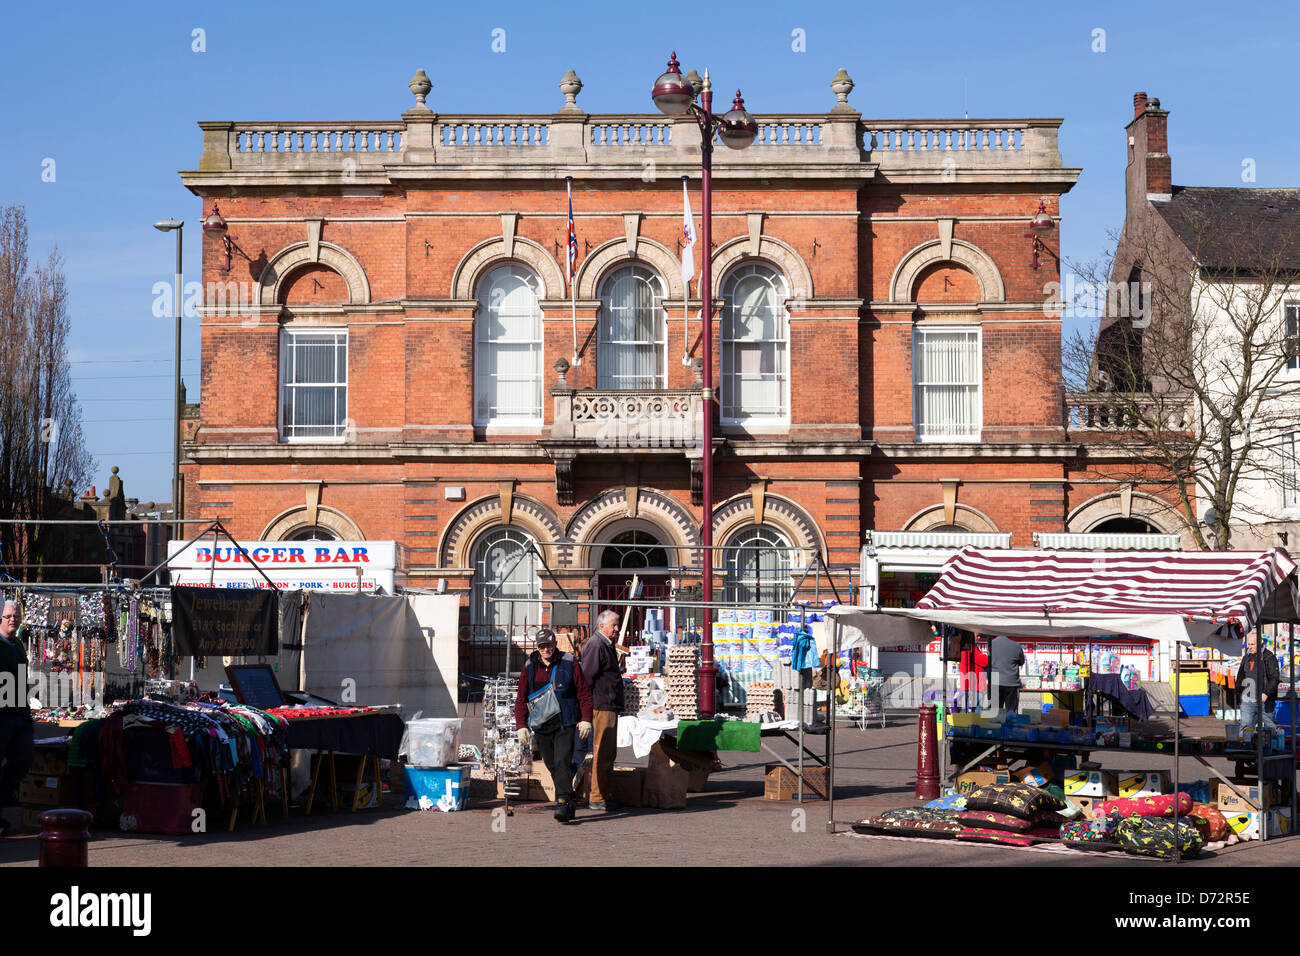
{"x":420,"y":86}
{"x":571,"y":86}
{"x":698,"y":367}
{"x":562,"y":368}
{"x":842,"y":85}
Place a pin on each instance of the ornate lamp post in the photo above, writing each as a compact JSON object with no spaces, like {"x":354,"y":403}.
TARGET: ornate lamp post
{"x":674,"y":95}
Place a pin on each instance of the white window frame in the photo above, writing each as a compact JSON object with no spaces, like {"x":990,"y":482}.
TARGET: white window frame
{"x":604,"y":378}
{"x":740,"y":589}
{"x":536,"y":345}
{"x":288,"y":430}
{"x":1289,"y":472}
{"x":729,"y":407}
{"x":1291,"y":334}
{"x":952,"y":432}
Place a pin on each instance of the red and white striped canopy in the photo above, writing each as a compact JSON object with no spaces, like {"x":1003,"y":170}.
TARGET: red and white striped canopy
{"x":1214,"y":586}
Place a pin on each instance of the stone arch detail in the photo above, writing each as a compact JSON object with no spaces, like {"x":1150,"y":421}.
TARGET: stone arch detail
{"x":1159,"y":514}
{"x":298,"y":254}
{"x":610,"y":254}
{"x":492,"y":252}
{"x":527,"y":514}
{"x":784,"y":515}
{"x":295,"y":519}
{"x":663,"y":510}
{"x":797,"y":275}
{"x":933,"y":517}
{"x":966,"y":254}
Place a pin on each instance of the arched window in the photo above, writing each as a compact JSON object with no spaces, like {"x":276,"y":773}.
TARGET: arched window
{"x":632,"y":351}
{"x":634,"y":549}
{"x":313,"y":533}
{"x":758,"y":567}
{"x":508,"y":348}
{"x":504,"y":569}
{"x":755,"y":345}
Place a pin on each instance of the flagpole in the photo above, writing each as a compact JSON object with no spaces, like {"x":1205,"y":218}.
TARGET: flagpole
{"x":570,"y":256}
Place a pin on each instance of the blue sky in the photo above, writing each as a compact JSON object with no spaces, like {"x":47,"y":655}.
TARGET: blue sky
{"x":111,"y":94}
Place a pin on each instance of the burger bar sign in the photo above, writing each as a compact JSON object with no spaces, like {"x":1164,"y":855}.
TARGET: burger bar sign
{"x":337,"y":566}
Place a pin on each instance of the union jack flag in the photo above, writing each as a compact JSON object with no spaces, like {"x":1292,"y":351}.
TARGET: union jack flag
{"x":572,"y":256}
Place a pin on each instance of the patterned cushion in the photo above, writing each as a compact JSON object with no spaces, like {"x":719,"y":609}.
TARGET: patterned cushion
{"x":1210,"y":821}
{"x":1017,"y":799}
{"x":992,"y":820}
{"x":1161,"y":806}
{"x":1148,"y":836}
{"x":1099,"y":830}
{"x":920,"y":813}
{"x":1037,"y":835}
{"x":906,"y":827}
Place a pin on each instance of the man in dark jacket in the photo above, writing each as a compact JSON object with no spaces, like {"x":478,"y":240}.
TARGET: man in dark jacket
{"x":555,"y":735}
{"x":601,"y":667}
{"x":17,"y":745}
{"x":1257,"y":679}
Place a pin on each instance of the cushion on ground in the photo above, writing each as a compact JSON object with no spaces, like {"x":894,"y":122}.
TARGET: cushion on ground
{"x":1017,"y":799}
{"x":1158,"y":806}
{"x":1150,"y":836}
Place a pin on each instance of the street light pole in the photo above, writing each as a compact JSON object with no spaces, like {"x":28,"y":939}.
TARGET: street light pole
{"x":178,"y":291}
{"x":674,"y":96}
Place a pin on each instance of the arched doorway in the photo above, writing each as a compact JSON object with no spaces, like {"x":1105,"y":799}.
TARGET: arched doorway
{"x":635,"y":554}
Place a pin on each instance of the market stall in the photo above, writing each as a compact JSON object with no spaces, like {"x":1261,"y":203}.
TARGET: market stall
{"x":1177,"y":599}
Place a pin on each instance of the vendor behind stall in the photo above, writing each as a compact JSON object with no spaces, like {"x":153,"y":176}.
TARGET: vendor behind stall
{"x":1257,"y":680}
{"x":1007,"y":658}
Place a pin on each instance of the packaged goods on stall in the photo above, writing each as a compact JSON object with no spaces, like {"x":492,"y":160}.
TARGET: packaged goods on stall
{"x":1090,"y":781}
{"x":1145,"y":783}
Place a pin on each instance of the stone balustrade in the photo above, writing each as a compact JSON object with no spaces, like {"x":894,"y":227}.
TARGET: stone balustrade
{"x":630,"y":418}
{"x":837,"y":140}
{"x":1115,"y":413}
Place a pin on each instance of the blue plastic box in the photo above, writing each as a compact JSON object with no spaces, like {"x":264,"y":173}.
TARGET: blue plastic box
{"x":437,"y":783}
{"x":1195,"y":705}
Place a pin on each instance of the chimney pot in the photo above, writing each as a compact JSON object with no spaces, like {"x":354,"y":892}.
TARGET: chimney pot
{"x":1139,"y":103}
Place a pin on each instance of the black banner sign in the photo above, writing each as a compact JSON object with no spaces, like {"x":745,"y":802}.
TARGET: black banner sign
{"x":227,"y":622}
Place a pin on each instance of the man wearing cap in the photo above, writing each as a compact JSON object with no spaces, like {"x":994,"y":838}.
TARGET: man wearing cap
{"x":1257,"y":680}
{"x":555,"y":736}
{"x":17,"y":746}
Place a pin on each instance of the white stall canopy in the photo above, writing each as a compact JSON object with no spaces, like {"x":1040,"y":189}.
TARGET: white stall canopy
{"x":1204,"y":598}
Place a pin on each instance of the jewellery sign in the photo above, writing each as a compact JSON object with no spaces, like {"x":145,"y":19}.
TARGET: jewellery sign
{"x":225,"y":622}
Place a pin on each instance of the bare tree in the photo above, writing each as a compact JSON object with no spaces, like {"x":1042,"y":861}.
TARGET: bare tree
{"x":41,"y":445}
{"x":1192,"y":380}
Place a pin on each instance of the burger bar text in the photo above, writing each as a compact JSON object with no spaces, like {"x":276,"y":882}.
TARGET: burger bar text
{"x":284,"y":555}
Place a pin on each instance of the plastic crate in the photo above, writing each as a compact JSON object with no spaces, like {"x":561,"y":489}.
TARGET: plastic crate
{"x":1195,"y":705}
{"x":446,"y":787}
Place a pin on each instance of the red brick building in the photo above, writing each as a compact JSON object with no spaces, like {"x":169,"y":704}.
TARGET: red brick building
{"x":400,"y":362}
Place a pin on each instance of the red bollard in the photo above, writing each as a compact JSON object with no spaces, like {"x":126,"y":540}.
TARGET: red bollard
{"x":927,"y":774}
{"x":65,"y":835}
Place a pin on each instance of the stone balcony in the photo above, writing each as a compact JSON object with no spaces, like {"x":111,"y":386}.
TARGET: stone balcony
{"x":425,"y":144}
{"x":1120,"y":414}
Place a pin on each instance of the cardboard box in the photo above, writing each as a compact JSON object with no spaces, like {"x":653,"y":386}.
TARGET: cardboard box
{"x":781,"y":783}
{"x":49,"y":762}
{"x":1087,"y":805}
{"x":1246,"y":825}
{"x":1090,"y":782}
{"x":48,"y":791}
{"x":1056,"y":718}
{"x":697,"y":763}
{"x":1229,"y":802}
{"x":626,"y":783}
{"x":1036,"y":776}
{"x":974,"y":779}
{"x":1146,"y":783}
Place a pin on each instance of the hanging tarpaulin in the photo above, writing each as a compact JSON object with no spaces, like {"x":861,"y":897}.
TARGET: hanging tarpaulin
{"x":225,"y":622}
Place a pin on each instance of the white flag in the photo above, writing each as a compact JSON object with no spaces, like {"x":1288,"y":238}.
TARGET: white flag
{"x":688,"y":237}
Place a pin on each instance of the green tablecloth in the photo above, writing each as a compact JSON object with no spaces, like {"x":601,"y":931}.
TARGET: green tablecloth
{"x":718,"y":735}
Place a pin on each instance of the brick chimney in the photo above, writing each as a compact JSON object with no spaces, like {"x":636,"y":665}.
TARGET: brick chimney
{"x":1149,"y":175}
